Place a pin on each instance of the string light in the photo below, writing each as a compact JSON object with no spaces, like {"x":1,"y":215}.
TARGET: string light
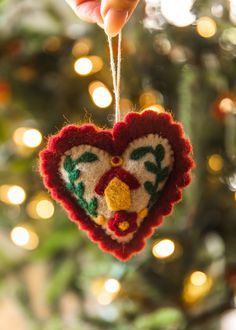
{"x":227,"y":105}
{"x":197,"y":285}
{"x":112,"y":286}
{"x":178,"y":12}
{"x":81,"y":47}
{"x":28,"y":137}
{"x":45,"y":209}
{"x":101,"y":96}
{"x":155,"y":107}
{"x":40,"y":207}
{"x":20,"y":236}
{"x":206,"y":27}
{"x":215,"y":163}
{"x":148,"y":98}
{"x":104,"y":299}
{"x":198,"y":278}
{"x":163,"y":249}
{"x":105,"y":290}
{"x":83,"y":66}
{"x":32,"y":138}
{"x":16,"y":195}
{"x":24,"y":237}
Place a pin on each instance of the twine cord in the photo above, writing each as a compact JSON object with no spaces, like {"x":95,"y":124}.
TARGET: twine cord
{"x":116,"y":73}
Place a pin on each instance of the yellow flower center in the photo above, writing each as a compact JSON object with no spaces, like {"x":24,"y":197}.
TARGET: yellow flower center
{"x":124,"y":225}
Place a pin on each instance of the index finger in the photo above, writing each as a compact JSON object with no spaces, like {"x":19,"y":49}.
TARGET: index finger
{"x":87,"y":10}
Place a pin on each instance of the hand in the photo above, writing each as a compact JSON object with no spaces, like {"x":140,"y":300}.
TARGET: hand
{"x":110,"y":14}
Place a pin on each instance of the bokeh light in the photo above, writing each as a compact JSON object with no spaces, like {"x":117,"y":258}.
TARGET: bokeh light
{"x":45,"y":209}
{"x":198,"y":278}
{"x":215,"y":163}
{"x":197,"y":285}
{"x":28,"y":137}
{"x":227,"y":105}
{"x":163,"y":248}
{"x":155,"y":107}
{"x":20,"y":236}
{"x":16,"y":195}
{"x":24,"y":237}
{"x":100,"y":94}
{"x":112,"y":285}
{"x":32,"y":138}
{"x":206,"y":27}
{"x":82,"y":47}
{"x":83,"y":66}
{"x":104,"y":298}
{"x":178,"y":12}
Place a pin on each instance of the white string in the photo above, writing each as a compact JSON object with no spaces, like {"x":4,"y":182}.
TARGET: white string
{"x":116,"y":72}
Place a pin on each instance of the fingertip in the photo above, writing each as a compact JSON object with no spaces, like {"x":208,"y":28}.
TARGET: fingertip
{"x":114,"y":21}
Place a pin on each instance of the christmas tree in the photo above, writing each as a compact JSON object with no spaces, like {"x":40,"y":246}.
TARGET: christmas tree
{"x":177,"y":57}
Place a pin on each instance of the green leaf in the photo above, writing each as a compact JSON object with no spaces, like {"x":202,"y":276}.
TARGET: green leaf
{"x":149,"y":187}
{"x":80,"y":189}
{"x":74,"y":175}
{"x":140,"y":152}
{"x":159,"y":153}
{"x":87,"y":157}
{"x":151,"y":167}
{"x":163,"y":174}
{"x":70,"y":186}
{"x":92,"y":206}
{"x":68,"y":164}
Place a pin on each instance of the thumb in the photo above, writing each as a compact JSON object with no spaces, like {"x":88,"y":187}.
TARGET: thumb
{"x":115,"y":14}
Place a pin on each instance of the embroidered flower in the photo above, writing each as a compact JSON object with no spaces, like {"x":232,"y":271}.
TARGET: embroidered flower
{"x":123,"y":223}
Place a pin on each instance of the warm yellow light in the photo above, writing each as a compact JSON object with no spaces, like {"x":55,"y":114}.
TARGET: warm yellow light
{"x":4,"y":193}
{"x":16,"y":195}
{"x":32,"y":138}
{"x":206,"y":27}
{"x":24,"y":237}
{"x":112,"y":286}
{"x":197,"y":286}
{"x":104,"y":298}
{"x":198,"y":278}
{"x":18,"y":136}
{"x":33,"y":241}
{"x":83,"y":66}
{"x":163,"y":249}
{"x":235,"y":196}
{"x":20,"y":236}
{"x":81,"y":47}
{"x":148,"y":98}
{"x":44,"y":209}
{"x":155,"y":107}
{"x":215,"y":163}
{"x":227,"y":105}
{"x":101,"y":96}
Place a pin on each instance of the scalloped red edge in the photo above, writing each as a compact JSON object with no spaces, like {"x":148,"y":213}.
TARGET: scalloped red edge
{"x":115,"y":141}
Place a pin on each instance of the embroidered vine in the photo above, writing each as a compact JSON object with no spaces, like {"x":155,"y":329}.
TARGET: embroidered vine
{"x":78,"y":189}
{"x":155,"y":168}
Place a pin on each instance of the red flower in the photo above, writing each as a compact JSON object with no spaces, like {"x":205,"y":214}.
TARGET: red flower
{"x":123,"y":223}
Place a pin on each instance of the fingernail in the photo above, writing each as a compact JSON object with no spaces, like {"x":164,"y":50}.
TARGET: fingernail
{"x":114,"y":21}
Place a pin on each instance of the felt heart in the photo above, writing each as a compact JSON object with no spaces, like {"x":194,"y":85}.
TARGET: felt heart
{"x":118,"y":184}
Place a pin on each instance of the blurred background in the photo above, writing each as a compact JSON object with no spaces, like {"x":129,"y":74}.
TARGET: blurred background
{"x":178,"y":56}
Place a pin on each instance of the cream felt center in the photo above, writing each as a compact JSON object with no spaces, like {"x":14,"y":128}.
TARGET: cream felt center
{"x":118,"y":192}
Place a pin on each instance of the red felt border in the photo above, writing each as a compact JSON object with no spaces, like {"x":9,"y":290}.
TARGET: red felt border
{"x":115,"y":141}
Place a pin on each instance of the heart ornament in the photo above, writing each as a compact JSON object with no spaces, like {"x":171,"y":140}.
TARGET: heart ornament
{"x":118,"y":184}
